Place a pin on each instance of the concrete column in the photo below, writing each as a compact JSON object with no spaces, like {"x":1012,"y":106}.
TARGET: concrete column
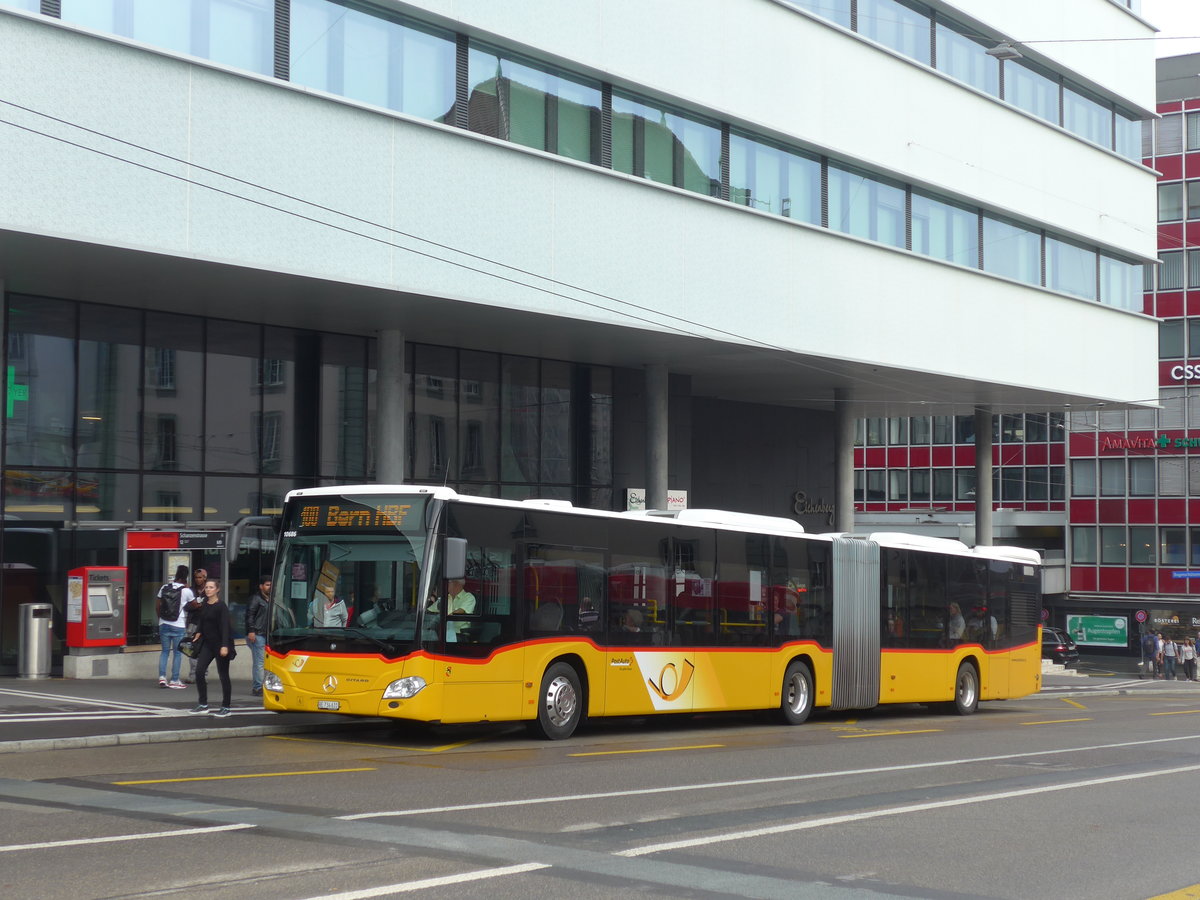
{"x":983,"y":476}
{"x":843,"y":464}
{"x":390,"y":445}
{"x":657,"y":422}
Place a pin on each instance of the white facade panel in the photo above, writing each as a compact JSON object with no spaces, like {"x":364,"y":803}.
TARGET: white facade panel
{"x":602,"y":247}
{"x":775,"y":68}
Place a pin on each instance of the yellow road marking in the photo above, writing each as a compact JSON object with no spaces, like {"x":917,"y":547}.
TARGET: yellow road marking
{"x":1184,"y":893}
{"x":284,"y":737}
{"x":1073,"y":703}
{"x":1056,"y":721}
{"x":647,"y":750}
{"x":1180,"y":712}
{"x":230,"y":777}
{"x":886,"y":733}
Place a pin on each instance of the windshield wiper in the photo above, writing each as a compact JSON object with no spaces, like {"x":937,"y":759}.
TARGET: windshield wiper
{"x":386,"y":647}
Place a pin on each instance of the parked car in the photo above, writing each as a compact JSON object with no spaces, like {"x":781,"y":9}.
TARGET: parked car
{"x":1059,"y":646}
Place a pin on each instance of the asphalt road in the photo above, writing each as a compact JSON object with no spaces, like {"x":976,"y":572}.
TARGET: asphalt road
{"x":1086,"y":793}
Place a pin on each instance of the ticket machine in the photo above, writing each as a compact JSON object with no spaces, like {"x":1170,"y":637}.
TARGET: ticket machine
{"x":96,"y":606}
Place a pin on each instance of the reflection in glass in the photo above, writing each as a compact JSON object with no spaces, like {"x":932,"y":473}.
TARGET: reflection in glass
{"x":106,"y":497}
{"x":519,"y":443}
{"x":1128,"y":136}
{"x":1028,"y":87}
{"x":168,"y":497}
{"x":965,"y":59}
{"x":173,"y":392}
{"x":1070,"y":268}
{"x":1087,"y":116}
{"x":899,"y":24}
{"x":651,"y":142}
{"x":33,"y":494}
{"x":228,"y":499}
{"x":865,"y":207}
{"x":1120,"y":283}
{"x":110,"y":373}
{"x":239,"y":33}
{"x":343,"y":400}
{"x":40,"y":383}
{"x":530,"y":105}
{"x":479,"y":415}
{"x":783,"y":182}
{"x":945,"y":230}
{"x":835,"y":10}
{"x":557,"y":414}
{"x":435,"y":454}
{"x":372,"y":58}
{"x":232,"y":398}
{"x":1012,"y":251}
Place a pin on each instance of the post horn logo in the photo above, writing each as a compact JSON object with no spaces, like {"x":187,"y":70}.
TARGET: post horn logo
{"x":672,"y":680}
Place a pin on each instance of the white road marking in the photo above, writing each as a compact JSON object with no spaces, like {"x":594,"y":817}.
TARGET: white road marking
{"x":116,"y":838}
{"x":446,"y":880}
{"x":894,"y":811}
{"x":749,"y":782}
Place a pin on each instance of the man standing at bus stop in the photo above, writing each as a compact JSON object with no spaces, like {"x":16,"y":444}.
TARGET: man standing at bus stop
{"x":256,"y":631}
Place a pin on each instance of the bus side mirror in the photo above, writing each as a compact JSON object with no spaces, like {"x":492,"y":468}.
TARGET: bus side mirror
{"x":454,"y":560}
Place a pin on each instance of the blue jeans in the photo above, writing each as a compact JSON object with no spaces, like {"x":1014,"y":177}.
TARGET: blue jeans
{"x":258,"y":649}
{"x":169,"y":636}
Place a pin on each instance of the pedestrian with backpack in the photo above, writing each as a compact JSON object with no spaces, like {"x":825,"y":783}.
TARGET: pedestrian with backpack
{"x":170,"y":603}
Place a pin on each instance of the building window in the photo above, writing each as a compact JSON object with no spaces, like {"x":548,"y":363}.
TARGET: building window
{"x":1112,"y":545}
{"x":866,"y":206}
{"x":1012,"y":250}
{"x":898,"y":484}
{"x":1037,"y":483}
{"x":1172,"y":546}
{"x":943,"y":484}
{"x":238,"y":33}
{"x":945,"y":230}
{"x":1172,"y":477}
{"x":373,"y":58}
{"x":962,"y":56}
{"x":1112,"y":478}
{"x":530,"y":105}
{"x":899,"y":24}
{"x":964,"y":484}
{"x":1030,"y":87}
{"x":1083,"y":545}
{"x":943,"y":429}
{"x":875,"y":485}
{"x":875,"y":432}
{"x":1141,"y":545}
{"x":1170,"y":202}
{"x":1170,"y":339}
{"x":1012,"y":483}
{"x":1193,"y":269}
{"x":897,"y":431}
{"x":1083,"y":478}
{"x":784,"y":182}
{"x":166,"y":455}
{"x":1070,"y":268}
{"x":919,"y":485}
{"x":653,"y":142}
{"x":919,"y":430}
{"x":1170,"y":270}
{"x":1169,"y":135}
{"x":1142,"y":480}
{"x":163,"y":377}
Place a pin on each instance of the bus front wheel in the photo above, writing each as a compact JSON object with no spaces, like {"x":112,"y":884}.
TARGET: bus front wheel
{"x":966,"y":690}
{"x":560,"y":704}
{"x":796,"y":698}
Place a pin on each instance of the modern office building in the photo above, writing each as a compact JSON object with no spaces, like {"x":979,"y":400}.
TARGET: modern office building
{"x":1112,"y":495}
{"x":576,"y":251}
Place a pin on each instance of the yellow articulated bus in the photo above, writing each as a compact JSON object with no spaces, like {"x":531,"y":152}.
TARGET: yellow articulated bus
{"x":422,"y":604}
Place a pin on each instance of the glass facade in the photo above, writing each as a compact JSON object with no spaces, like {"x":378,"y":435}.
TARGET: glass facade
{"x":385,"y":59}
{"x":120,"y":416}
{"x":239,"y":33}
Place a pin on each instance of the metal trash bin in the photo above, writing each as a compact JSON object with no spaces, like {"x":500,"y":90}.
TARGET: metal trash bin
{"x":33,"y":635}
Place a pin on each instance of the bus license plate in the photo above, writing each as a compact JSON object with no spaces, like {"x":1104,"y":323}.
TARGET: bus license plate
{"x":328,"y":704}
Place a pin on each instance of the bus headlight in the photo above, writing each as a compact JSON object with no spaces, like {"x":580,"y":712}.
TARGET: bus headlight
{"x":271,"y":682}
{"x":403,"y":688}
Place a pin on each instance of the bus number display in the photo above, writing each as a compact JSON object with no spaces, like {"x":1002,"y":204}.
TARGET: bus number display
{"x":338,"y":517}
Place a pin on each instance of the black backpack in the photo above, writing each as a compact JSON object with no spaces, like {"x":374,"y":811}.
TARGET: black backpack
{"x":168,"y":601}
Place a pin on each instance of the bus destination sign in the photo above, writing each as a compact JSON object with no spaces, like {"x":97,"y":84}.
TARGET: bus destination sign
{"x":344,"y":514}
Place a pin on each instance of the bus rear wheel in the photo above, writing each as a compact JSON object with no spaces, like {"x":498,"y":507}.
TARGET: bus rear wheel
{"x":560,"y":704}
{"x":966,"y":690}
{"x":796,"y":698}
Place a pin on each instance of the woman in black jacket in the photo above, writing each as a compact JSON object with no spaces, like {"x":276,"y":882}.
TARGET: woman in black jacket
{"x":215,"y":633}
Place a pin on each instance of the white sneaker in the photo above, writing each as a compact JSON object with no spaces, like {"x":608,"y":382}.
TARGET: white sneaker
{"x":177,"y":685}
{"x":162,"y":682}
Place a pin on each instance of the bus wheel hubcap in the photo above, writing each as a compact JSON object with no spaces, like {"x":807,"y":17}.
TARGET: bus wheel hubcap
{"x":560,"y":701}
{"x":797,"y":693}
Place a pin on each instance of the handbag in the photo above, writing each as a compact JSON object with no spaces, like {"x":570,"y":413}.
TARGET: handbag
{"x":189,"y":648}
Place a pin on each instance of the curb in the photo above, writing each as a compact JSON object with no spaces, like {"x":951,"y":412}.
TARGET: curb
{"x":163,"y":737}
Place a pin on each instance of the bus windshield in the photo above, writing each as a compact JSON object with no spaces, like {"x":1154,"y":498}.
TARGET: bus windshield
{"x":349,"y":574}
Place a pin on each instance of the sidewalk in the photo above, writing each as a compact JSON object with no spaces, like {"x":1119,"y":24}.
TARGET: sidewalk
{"x":61,"y":714}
